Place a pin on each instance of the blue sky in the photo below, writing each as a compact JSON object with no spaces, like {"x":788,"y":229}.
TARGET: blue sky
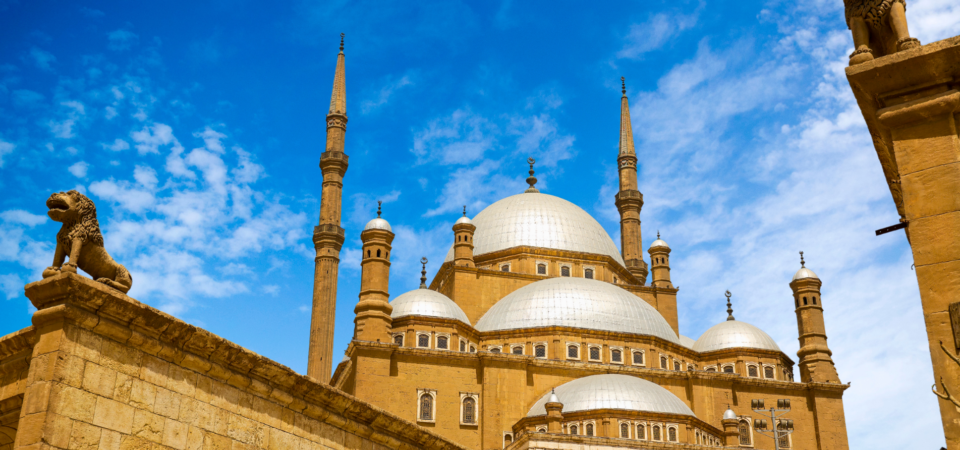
{"x":196,"y":127}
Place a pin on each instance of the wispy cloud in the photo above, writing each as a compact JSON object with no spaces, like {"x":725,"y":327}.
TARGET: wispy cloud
{"x":42,"y":59}
{"x":655,"y":32}
{"x":122,"y":39}
{"x":388,"y":89}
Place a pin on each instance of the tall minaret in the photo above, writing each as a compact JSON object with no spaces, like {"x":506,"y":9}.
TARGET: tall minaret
{"x":816,"y":365}
{"x":629,"y":199}
{"x":328,"y":236}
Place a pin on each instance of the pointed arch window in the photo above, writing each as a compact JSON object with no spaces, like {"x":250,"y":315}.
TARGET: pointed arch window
{"x":641,"y":431}
{"x":656,"y":432}
{"x":624,"y":430}
{"x":744,"y":429}
{"x":378,"y":253}
{"x":672,"y":434}
{"x":470,"y":411}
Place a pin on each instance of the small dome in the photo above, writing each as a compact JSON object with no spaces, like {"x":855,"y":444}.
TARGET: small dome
{"x":576,"y":303}
{"x":613,"y":391}
{"x":427,"y":302}
{"x":734,"y":334}
{"x":553,"y":397}
{"x":463,"y":219}
{"x":659,"y":243}
{"x":687,"y":342}
{"x":378,"y":224}
{"x":804,"y":273}
{"x":729,"y":414}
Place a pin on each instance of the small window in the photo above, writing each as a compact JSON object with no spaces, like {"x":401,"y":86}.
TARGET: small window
{"x":614,"y":280}
{"x":814,"y":300}
{"x":784,"y":437}
{"x":518,"y":350}
{"x":573,"y":351}
{"x":711,"y":369}
{"x":442,"y":342}
{"x":573,"y":429}
{"x":495,"y":350}
{"x":469,"y":410}
{"x":588,"y":273}
{"x":473,"y":349}
{"x":728,"y":369}
{"x":541,"y":430}
{"x":672,"y":434}
{"x":589,"y":428}
{"x":426,"y":407}
{"x":641,"y":432}
{"x":398,"y":339}
{"x":540,"y":351}
{"x":752,"y":371}
{"x":595,"y":353}
{"x":804,"y":301}
{"x":624,"y":430}
{"x":768,"y":372}
{"x":663,"y":362}
{"x":423,"y":340}
{"x":676,"y":366}
{"x":508,"y":439}
{"x":463,"y":346}
{"x":691,"y":367}
{"x":638,"y":358}
{"x":744,"y":429}
{"x":505,"y":268}
{"x":541,"y":269}
{"x":656,"y":432}
{"x":565,"y":271}
{"x":797,"y":302}
{"x":378,"y":253}
{"x":616,"y":356}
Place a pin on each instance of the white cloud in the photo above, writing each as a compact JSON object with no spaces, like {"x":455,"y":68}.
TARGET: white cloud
{"x":390,"y":87}
{"x":71,"y":112}
{"x":655,"y":32}
{"x":42,"y":59}
{"x":151,"y":138}
{"x":6,"y":148}
{"x":11,"y":285}
{"x":461,"y":138}
{"x":21,"y":217}
{"x":122,"y":39}
{"x":271,"y":289}
{"x":79,"y":169}
{"x":117,"y":145}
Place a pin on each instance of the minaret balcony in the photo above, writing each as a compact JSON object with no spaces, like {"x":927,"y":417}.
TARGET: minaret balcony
{"x":628,"y":197}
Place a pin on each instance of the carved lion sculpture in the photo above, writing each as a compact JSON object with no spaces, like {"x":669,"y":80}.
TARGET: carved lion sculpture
{"x":879,"y":28}
{"x":80,"y":240}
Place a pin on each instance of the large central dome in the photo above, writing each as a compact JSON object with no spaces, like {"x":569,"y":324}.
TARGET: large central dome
{"x":539,"y":220}
{"x":577,"y":303}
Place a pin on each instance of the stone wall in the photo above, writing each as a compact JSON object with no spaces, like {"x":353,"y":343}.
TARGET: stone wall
{"x":109,"y":372}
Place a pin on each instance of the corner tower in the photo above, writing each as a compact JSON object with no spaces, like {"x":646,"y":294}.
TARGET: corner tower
{"x":816,"y":365}
{"x":373,"y":321}
{"x":629,"y":199}
{"x":328,"y":235}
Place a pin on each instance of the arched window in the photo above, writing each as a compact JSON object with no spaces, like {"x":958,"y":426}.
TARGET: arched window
{"x":784,"y":437}
{"x":663,"y":362}
{"x":676,"y":366}
{"x":595,"y":353}
{"x":541,"y":269}
{"x":768,"y":372}
{"x":495,"y":350}
{"x":442,"y":342}
{"x":691,"y":367}
{"x":398,"y":339}
{"x":541,"y":430}
{"x":624,"y":430}
{"x":656,"y":432}
{"x":368,"y":253}
{"x":463,"y":346}
{"x":672,"y":434}
{"x":505,"y":268}
{"x":804,"y":301}
{"x":423,"y":340}
{"x":426,"y":407}
{"x":641,"y":432}
{"x":814,"y":298}
{"x":508,"y":439}
{"x":387,"y":255}
{"x":589,"y":429}
{"x":588,"y":273}
{"x":573,"y":351}
{"x":518,"y":350}
{"x":744,"y":429}
{"x":711,"y":369}
{"x":616,"y":356}
{"x":614,"y":280}
{"x":573,"y":429}
{"x":752,"y":371}
{"x":540,"y":351}
{"x":469,"y":410}
{"x":797,"y":301}
{"x":473,"y":349}
{"x":638,"y":357}
{"x":728,"y":369}
{"x":378,"y":253}
{"x":565,"y":271}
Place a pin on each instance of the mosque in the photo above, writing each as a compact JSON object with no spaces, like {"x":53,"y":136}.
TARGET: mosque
{"x":538,"y":331}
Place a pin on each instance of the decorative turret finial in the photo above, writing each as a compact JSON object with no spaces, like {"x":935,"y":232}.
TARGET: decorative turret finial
{"x":531,"y":180}
{"x":423,"y":273}
{"x":464,"y":210}
{"x":623,"y":85}
{"x":341,"y":42}
{"x":729,"y":306}
{"x":379,"y":202}
{"x":658,"y":234}
{"x":801,"y":260}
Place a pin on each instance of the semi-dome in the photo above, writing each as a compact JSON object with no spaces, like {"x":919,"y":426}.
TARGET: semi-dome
{"x":804,"y":273}
{"x":687,"y":342}
{"x":539,"y":220}
{"x":378,"y":224}
{"x":734,"y":334}
{"x":578,"y":303}
{"x":427,"y":302}
{"x":613,"y":391}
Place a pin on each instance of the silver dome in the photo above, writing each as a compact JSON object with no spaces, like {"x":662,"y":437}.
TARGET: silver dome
{"x":427,"y":302}
{"x":734,"y":334}
{"x":687,"y":342}
{"x":729,"y":414}
{"x":463,"y":219}
{"x":804,"y":273}
{"x":539,"y":220}
{"x":659,"y":243}
{"x":613,"y":391}
{"x":578,"y":303}
{"x":378,"y":224}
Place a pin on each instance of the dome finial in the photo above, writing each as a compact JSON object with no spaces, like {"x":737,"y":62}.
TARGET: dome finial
{"x":729,"y":306}
{"x":423,"y":273}
{"x":341,"y":41}
{"x":658,"y":234}
{"x":464,"y":210}
{"x":379,"y":202}
{"x":802,"y":264}
{"x":531,"y":180}
{"x":623,"y":85}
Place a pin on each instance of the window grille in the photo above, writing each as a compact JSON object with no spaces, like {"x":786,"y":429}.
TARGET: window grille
{"x":784,"y":437}
{"x":426,"y":407}
{"x":495,"y":350}
{"x":768,"y":372}
{"x":573,"y":351}
{"x":752,"y":371}
{"x":589,"y":429}
{"x":398,"y":339}
{"x":711,"y":369}
{"x":505,"y":268}
{"x":624,"y":430}
{"x":616,"y":356}
{"x":588,"y":273}
{"x":540,"y":351}
{"x":728,"y":369}
{"x":573,"y":429}
{"x":641,"y":432}
{"x":508,"y":438}
{"x":518,"y":350}
{"x":676,"y":366}
{"x":638,"y":357}
{"x":565,"y":271}
{"x":423,"y":340}
{"x":463,"y":346}
{"x":595,"y":353}
{"x":442,"y":342}
{"x":469,"y":410}
{"x":744,"y":429}
{"x":672,"y":435}
{"x":663,"y":362}
{"x":541,"y":269}
{"x":656,"y":432}
{"x":473,"y":349}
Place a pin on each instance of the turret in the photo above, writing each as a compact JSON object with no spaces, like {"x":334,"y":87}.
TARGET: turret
{"x":731,"y":436}
{"x":463,"y":241}
{"x":328,"y":235}
{"x":554,"y":413}
{"x":373,"y":320}
{"x":629,"y":199}
{"x":815,"y":362}
{"x":660,"y":263}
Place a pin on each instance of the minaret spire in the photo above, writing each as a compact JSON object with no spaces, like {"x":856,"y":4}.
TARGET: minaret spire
{"x":423,"y":273}
{"x":328,"y":235}
{"x":531,"y":180}
{"x":729,"y":306}
{"x":629,"y":199}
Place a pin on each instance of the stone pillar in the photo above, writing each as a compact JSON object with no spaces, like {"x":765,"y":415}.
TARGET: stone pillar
{"x":554,"y":416}
{"x":629,"y":200}
{"x":463,"y":231}
{"x":816,"y":364}
{"x":328,"y":236}
{"x":373,"y":320}
{"x":910,"y":102}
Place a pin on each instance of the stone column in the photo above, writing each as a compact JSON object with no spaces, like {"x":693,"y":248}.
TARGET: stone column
{"x":731,"y":437}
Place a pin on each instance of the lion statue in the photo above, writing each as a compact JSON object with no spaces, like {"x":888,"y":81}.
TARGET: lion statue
{"x":80,"y":240}
{"x":879,"y":28}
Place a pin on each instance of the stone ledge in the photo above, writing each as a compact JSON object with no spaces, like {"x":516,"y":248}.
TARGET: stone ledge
{"x":107,"y":312}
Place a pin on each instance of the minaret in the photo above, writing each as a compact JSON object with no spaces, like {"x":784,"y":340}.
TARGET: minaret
{"x":463,"y":240}
{"x":629,"y":199}
{"x":328,"y":236}
{"x":660,"y":263}
{"x":815,"y":362}
{"x":373,"y":320}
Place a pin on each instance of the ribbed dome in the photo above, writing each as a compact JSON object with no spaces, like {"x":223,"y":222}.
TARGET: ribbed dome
{"x":578,"y":303}
{"x":427,"y":302}
{"x":463,"y":219}
{"x":804,"y":273}
{"x":378,"y":224}
{"x":613,"y":391}
{"x":687,"y":342}
{"x":539,"y":220}
{"x":734,"y":334}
